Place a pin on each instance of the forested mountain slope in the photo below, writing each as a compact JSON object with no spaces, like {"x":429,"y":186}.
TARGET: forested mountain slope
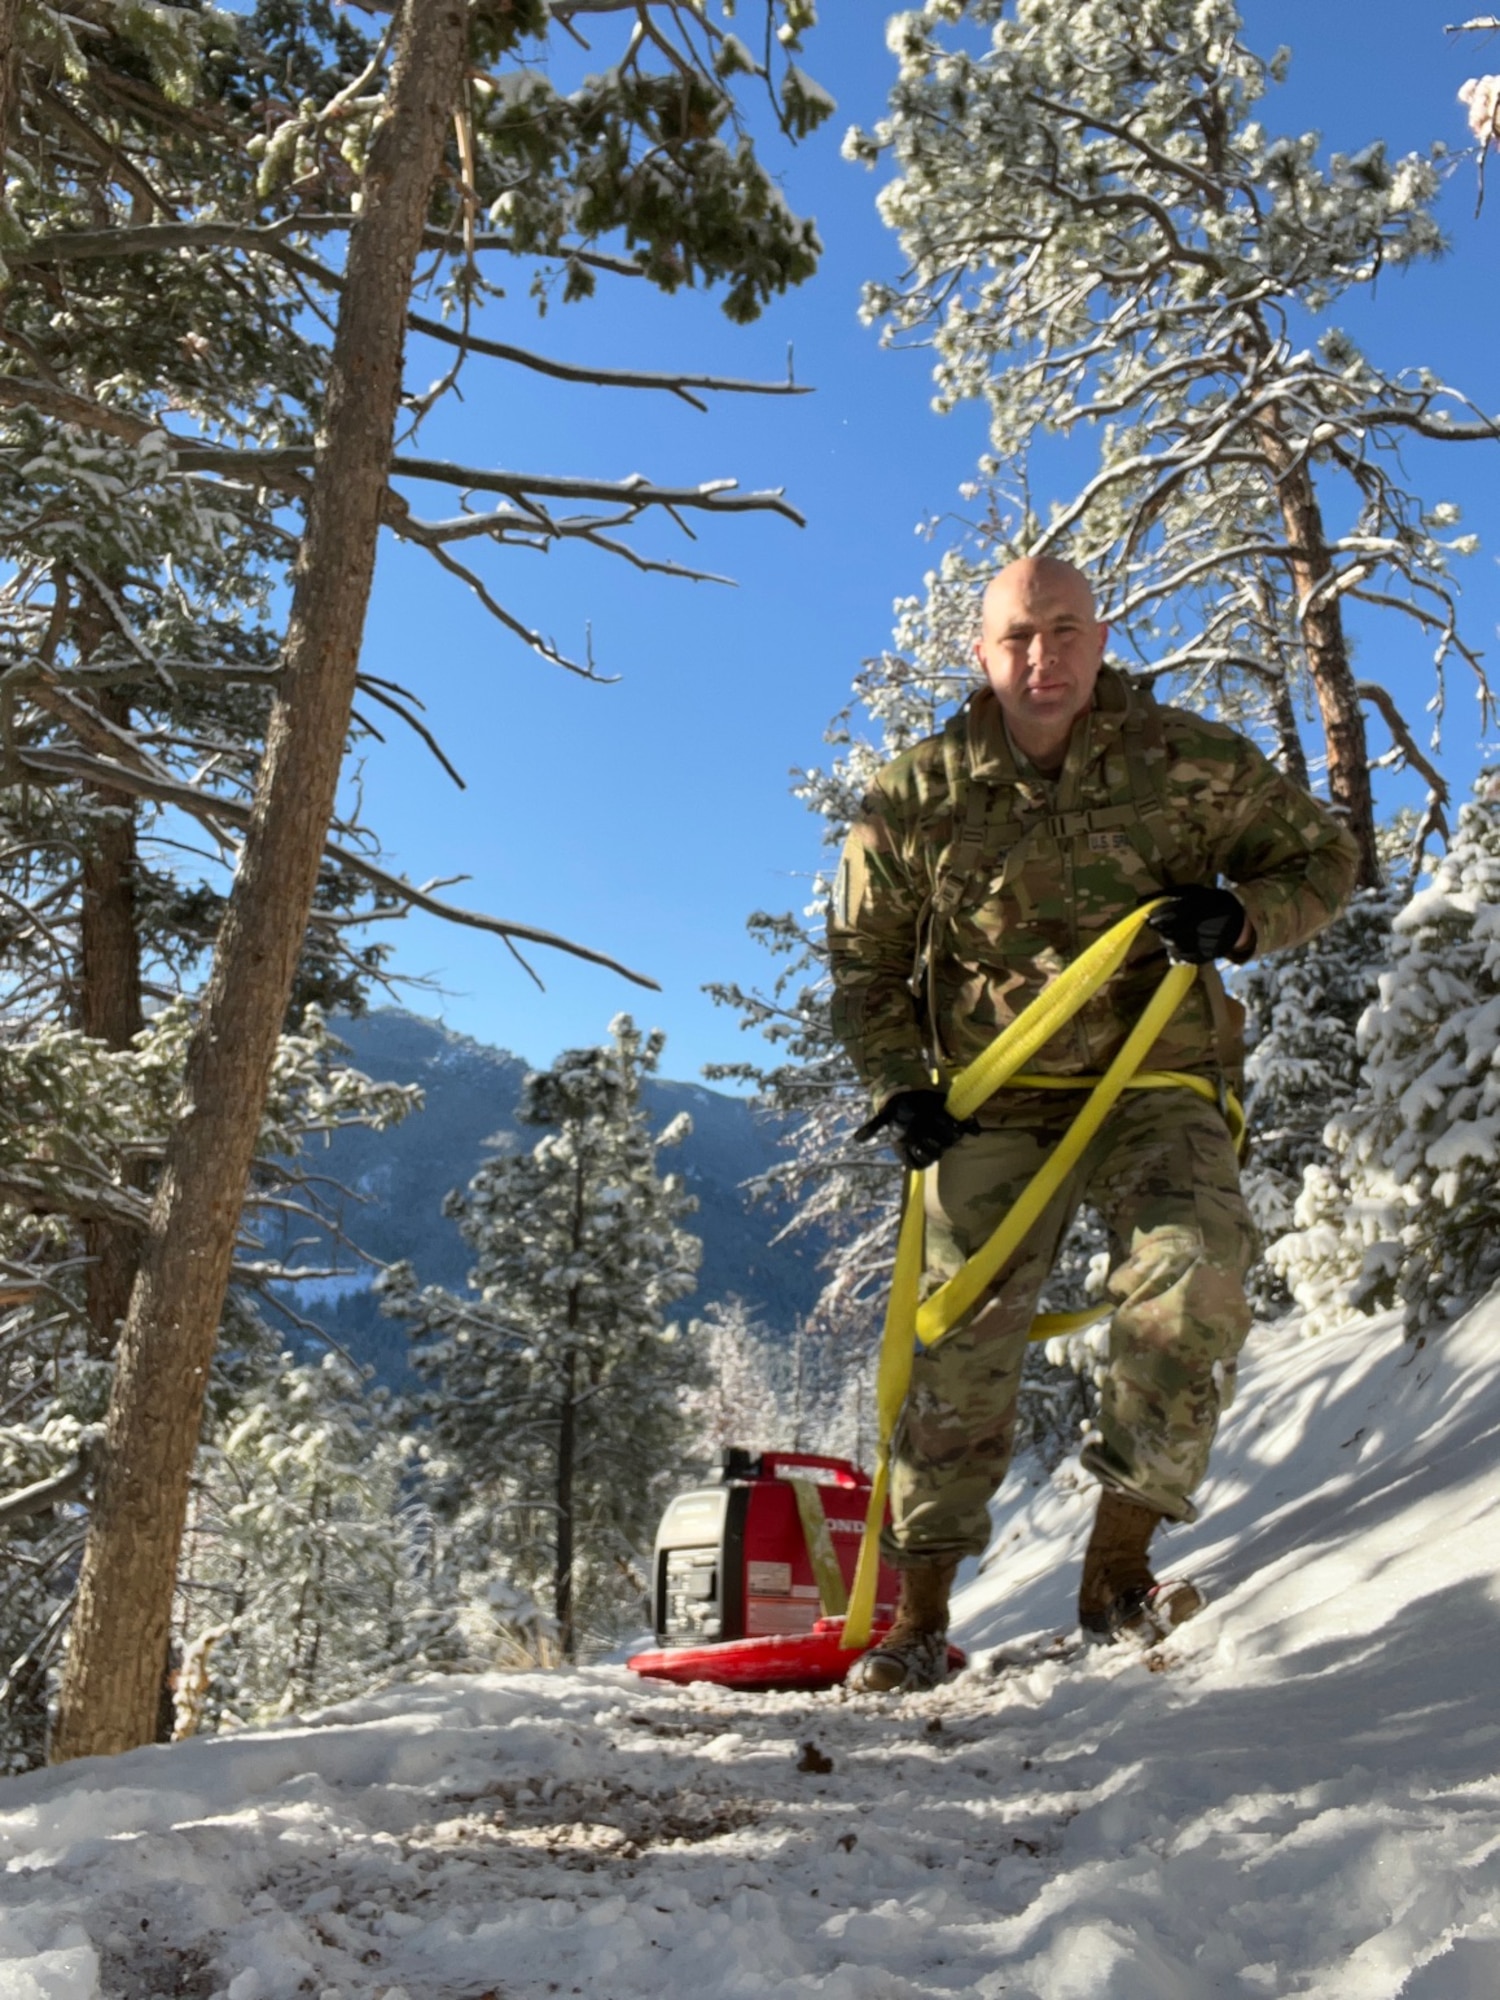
{"x":471,"y":1092}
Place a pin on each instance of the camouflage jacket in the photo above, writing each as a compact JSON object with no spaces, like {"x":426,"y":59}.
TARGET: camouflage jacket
{"x":966,"y":885}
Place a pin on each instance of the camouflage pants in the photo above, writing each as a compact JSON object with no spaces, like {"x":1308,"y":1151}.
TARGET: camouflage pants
{"x":1162,"y":1174}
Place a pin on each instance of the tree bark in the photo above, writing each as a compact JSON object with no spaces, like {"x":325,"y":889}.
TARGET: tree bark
{"x":110,"y":1006}
{"x":123,"y":1619}
{"x":1322,"y":623}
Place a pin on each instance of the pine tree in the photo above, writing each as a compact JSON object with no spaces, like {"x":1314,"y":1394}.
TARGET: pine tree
{"x":1408,"y":1207}
{"x":1105,"y":242}
{"x":303,"y":1550}
{"x":1480,"y":95}
{"x":139,"y":639}
{"x":268,"y":129}
{"x":556,"y":1408}
{"x":747,"y":1393}
{"x":78,"y":1118}
{"x":1304,"y":1065}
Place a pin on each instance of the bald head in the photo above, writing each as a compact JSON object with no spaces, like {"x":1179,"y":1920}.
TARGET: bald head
{"x":1041,"y":647}
{"x":1047,"y":578}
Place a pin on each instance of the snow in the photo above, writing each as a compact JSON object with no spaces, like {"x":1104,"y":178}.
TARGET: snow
{"x":1297,"y":1794}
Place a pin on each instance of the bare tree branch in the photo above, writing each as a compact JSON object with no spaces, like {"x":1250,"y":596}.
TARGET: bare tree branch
{"x":46,"y":1493}
{"x":617,"y":378}
{"x":271,"y":239}
{"x":289,"y":468}
{"x":376,"y":690}
{"x":19,"y":392}
{"x":122,"y":169}
{"x":102,"y":770}
{"x":40,"y":1194}
{"x":1402,"y":737}
{"x":290,"y":464}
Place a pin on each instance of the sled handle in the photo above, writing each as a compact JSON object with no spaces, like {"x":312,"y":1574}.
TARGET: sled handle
{"x":774,"y":1463}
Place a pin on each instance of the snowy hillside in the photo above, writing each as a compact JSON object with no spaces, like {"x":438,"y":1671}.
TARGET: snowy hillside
{"x":1298,"y":1794}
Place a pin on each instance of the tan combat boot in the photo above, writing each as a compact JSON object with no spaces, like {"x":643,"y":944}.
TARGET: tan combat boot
{"x":914,"y":1653}
{"x":1119,"y":1597}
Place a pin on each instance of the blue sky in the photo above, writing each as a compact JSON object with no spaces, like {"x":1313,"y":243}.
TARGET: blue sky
{"x":650,"y":817}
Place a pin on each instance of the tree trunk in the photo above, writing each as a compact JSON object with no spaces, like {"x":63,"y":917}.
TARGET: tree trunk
{"x":567,"y":1455}
{"x":567,"y":1440}
{"x":308,"y":1615}
{"x":110,"y":1008}
{"x":1290,"y":753}
{"x":1327,"y":648}
{"x":110,"y":1005}
{"x":155,"y":1413}
{"x":10,"y":75}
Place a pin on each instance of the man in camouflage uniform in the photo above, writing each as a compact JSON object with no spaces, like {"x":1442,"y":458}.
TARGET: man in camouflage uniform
{"x":981,"y":864}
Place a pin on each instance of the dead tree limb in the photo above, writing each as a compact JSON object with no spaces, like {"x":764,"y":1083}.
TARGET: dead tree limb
{"x":209,"y":807}
{"x":46,"y":1493}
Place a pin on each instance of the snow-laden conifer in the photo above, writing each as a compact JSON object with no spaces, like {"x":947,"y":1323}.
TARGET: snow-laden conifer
{"x":1480,"y":97}
{"x":304,"y":1558}
{"x":555,"y":1405}
{"x":81,"y":1135}
{"x":186,"y":184}
{"x":1105,"y":238}
{"x":1304,"y":1066}
{"x":746,"y":1394}
{"x":1409,"y":1208}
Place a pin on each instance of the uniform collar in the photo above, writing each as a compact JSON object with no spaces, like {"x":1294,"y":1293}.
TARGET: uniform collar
{"x":987,"y":750}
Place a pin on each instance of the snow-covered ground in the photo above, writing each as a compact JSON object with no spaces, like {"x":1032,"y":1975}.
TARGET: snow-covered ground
{"x":1298,"y":1794}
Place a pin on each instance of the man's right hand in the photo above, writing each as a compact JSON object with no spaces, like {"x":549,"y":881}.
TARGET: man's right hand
{"x":1203,"y":922}
{"x":921,"y":1126}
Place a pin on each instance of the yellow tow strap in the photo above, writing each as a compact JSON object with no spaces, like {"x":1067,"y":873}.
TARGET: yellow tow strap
{"x":833,"y":1596}
{"x":1002,"y":1063}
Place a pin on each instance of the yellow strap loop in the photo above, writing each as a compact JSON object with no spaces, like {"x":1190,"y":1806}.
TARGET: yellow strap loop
{"x":1003,"y":1062}
{"x":1150,"y":1079}
{"x":947,"y":1306}
{"x":833,"y":1596}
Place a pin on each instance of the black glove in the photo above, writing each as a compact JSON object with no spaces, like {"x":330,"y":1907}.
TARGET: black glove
{"x":1199,"y":924}
{"x":922,"y":1128}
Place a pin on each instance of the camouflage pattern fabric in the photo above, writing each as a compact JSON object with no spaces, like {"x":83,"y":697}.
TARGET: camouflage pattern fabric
{"x":1038,"y":870}
{"x":1161,"y":1172}
{"x":968,"y":882}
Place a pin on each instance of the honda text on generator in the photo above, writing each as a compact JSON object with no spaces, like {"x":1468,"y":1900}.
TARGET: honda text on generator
{"x":752,"y":1576}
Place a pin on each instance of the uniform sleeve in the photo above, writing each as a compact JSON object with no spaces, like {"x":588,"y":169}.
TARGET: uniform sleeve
{"x":1293,"y":865}
{"x":872,"y":936}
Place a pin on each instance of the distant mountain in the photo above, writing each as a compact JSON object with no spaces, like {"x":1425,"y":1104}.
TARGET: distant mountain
{"x":471,"y":1094}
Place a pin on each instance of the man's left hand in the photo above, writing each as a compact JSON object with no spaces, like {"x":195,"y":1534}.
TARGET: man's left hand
{"x":1199,"y":924}
{"x":921,"y":1126}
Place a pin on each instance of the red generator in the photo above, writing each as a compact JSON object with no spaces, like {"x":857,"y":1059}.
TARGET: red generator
{"x":752,"y":1576}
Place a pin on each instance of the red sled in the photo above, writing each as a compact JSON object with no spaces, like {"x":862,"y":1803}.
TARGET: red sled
{"x":751,"y":1577}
